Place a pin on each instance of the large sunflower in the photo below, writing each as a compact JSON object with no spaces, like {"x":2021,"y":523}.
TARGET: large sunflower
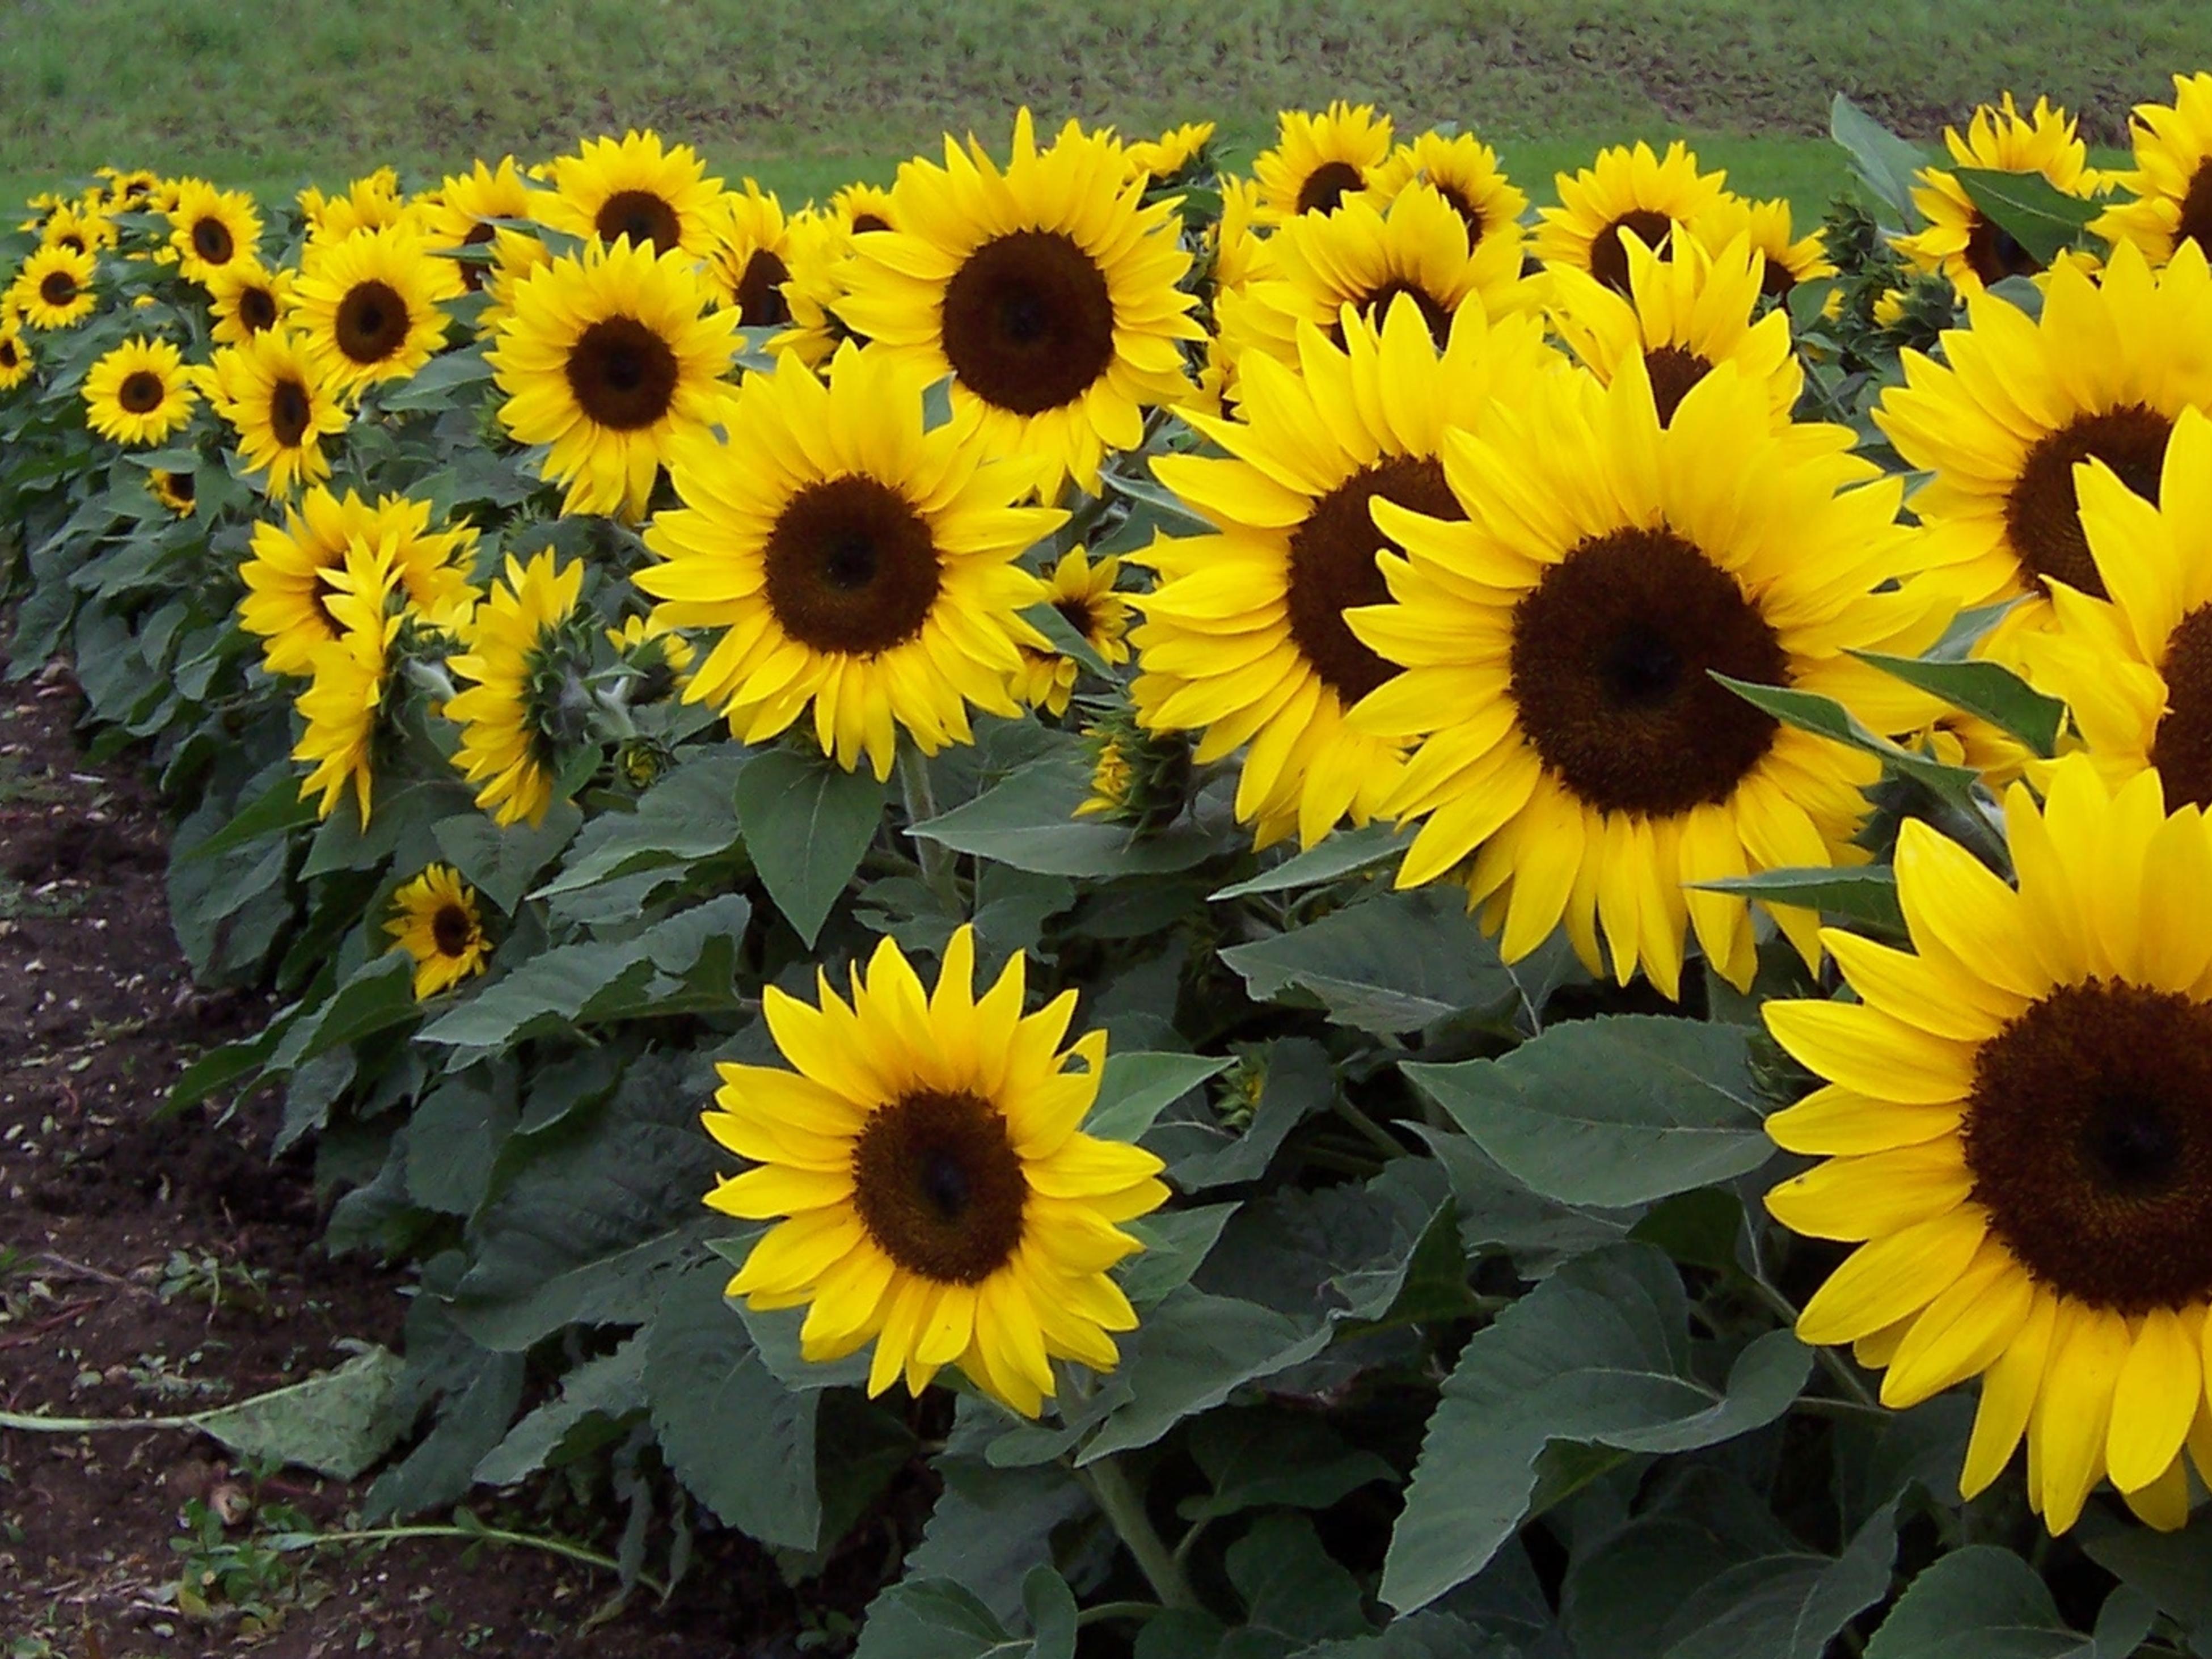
{"x":608,"y":358}
{"x":465,"y":204}
{"x":751,"y":258}
{"x":1791,"y":259}
{"x":1084,"y":594}
{"x":139,"y":393}
{"x":54,"y":287}
{"x":1957,"y":240}
{"x":211,"y":229}
{"x":2017,"y":402}
{"x":659,"y":198}
{"x":343,"y":702}
{"x":1624,"y":189}
{"x":852,"y":560}
{"x":1464,"y":171}
{"x":245,"y":300}
{"x":2171,"y":179}
{"x":291,"y":576}
{"x":16,"y":360}
{"x":1558,"y":650}
{"x":513,"y":725}
{"x":2016,"y":1138}
{"x":434,"y":920}
{"x":273,"y":394}
{"x":943,"y":1199}
{"x":367,"y":305}
{"x":1319,"y":160}
{"x":1244,"y":638}
{"x":1047,"y":291}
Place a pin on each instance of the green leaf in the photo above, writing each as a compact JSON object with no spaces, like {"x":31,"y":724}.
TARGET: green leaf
{"x":376,"y":996}
{"x":612,"y":1386}
{"x":1051,"y":1607}
{"x":1808,"y":711}
{"x":990,"y":1526}
{"x":336,"y":1423}
{"x":1884,"y":163}
{"x":276,"y":809}
{"x":501,"y":863}
{"x":1264,"y":1456}
{"x":2173,"y":1570}
{"x":1425,"y":1636}
{"x":218,"y":1068}
{"x":688,"y":815}
{"x":806,"y":822}
{"x":1203,"y":1151}
{"x":1293,"y":1588}
{"x":1066,"y":639}
{"x":1394,"y":963}
{"x":1190,"y":1354}
{"x":1598,"y":1354}
{"x":1338,"y":854}
{"x":935,"y":1619}
{"x":1988,"y":1602}
{"x":1028,"y":821}
{"x":1176,"y":1243}
{"x":1866,"y":894}
{"x":1986,"y":689}
{"x":1136,"y":1087}
{"x":2031,"y":210}
{"x":433,"y":386}
{"x":1612,"y":1111}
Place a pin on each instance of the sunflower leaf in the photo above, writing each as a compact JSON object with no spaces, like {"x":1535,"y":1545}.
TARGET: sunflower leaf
{"x":2028,"y":208}
{"x":1987,"y":1601}
{"x":1987,"y":690}
{"x":1867,"y":895}
{"x":1808,"y":711}
{"x":806,"y":822}
{"x":1885,"y":163}
{"x":1066,"y":638}
{"x":1339,"y":854}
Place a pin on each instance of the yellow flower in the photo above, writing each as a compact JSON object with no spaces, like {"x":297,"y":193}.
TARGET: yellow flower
{"x":371,"y":203}
{"x":175,"y":490}
{"x":343,"y":702}
{"x":1157,"y":161}
{"x":367,"y":305}
{"x":467,"y":204}
{"x":16,"y":361}
{"x":2171,"y":179}
{"x":1112,"y":779}
{"x":1319,"y":160}
{"x":140,"y":393}
{"x":750,"y":262}
{"x":435,"y":922}
{"x":1967,"y":248}
{"x":860,"y":208}
{"x":510,"y":740}
{"x":1625,"y":188}
{"x":245,"y":300}
{"x":658,"y":198}
{"x":1084,"y":595}
{"x":819,"y":246}
{"x":1464,"y":171}
{"x":54,"y":287}
{"x":211,"y":229}
{"x":270,"y":391}
{"x":1765,"y":226}
{"x":81,"y":228}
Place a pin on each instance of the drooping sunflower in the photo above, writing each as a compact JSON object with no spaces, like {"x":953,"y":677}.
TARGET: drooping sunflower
{"x":1083,"y":594}
{"x":850,"y":559}
{"x":522,"y":644}
{"x":751,"y":260}
{"x":139,"y":393}
{"x":659,"y":198}
{"x":466,"y":205}
{"x":1464,"y":171}
{"x":2172,"y":180}
{"x":1244,"y":638}
{"x":211,"y":229}
{"x":434,"y":920}
{"x":1957,"y":240}
{"x":367,"y":305}
{"x":1318,"y":161}
{"x":290,"y":578}
{"x":1576,"y":761}
{"x":1624,"y":189}
{"x":1765,"y":225}
{"x":178,"y":491}
{"x":1682,"y":316}
{"x":343,"y":702}
{"x":2017,"y":402}
{"x":608,"y":358}
{"x":943,"y":1200}
{"x":274,"y":395}
{"x":1177,"y":151}
{"x":16,"y":360}
{"x":373,"y":202}
{"x":2016,"y":1138}
{"x":1047,"y":291}
{"x":245,"y":300}
{"x":54,"y":287}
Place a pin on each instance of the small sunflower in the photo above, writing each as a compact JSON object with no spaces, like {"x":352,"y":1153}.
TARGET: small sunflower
{"x":2015,"y":1138}
{"x":1235,"y":257}
{"x":1113,"y":787}
{"x":343,"y":702}
{"x":245,"y":300}
{"x":370,"y":203}
{"x":16,"y":360}
{"x":862,"y":208}
{"x":1047,"y":291}
{"x":140,"y":393}
{"x":608,"y":358}
{"x":367,"y":305}
{"x":751,"y":261}
{"x":658,"y":197}
{"x":1625,"y":188}
{"x":1244,"y":638}
{"x":467,"y":205}
{"x":435,"y":921}
{"x":130,"y":191}
{"x":849,"y":559}
{"x":82,"y":227}
{"x":1767,"y":227}
{"x":2171,"y":179}
{"x":943,"y":1199}
{"x":211,"y":229}
{"x":514,"y":255}
{"x":2017,"y":402}
{"x":820,"y":250}
{"x":273,"y":394}
{"x":1966,"y":247}
{"x":1558,"y":649}
{"x":1464,"y":171}
{"x":54,"y":287}
{"x":1175,"y":152}
{"x":177,"y":491}
{"x":1318,"y":161}
{"x":663,"y":657}
{"x":516,"y":720}
{"x":1084,"y":594}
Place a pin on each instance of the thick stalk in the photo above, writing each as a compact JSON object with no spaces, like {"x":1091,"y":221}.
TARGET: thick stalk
{"x":935,"y":858}
{"x":1124,"y":1509}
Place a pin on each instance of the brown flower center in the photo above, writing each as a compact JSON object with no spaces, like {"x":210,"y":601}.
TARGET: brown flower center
{"x":1673,"y":371}
{"x":1776,"y":279}
{"x":1376,"y":305}
{"x":1613,"y":658}
{"x":1327,"y":186}
{"x":646,"y":219}
{"x":372,"y":322}
{"x":289,"y":411}
{"x":1078,"y":615}
{"x":1993,"y":254}
{"x":1470,"y":214}
{"x":761,"y":303}
{"x":141,"y":393}
{"x":2043,"y":519}
{"x":70,"y":241}
{"x":2195,"y":223}
{"x":2089,"y":1137}
{"x":1609,"y":259}
{"x":257,"y":309}
{"x":1028,"y":322}
{"x":622,"y":373}
{"x":57,"y":288}
{"x":939,"y":1188}
{"x":452,"y":930}
{"x":852,"y":568}
{"x":869,"y":221}
{"x":9,"y":357}
{"x":2182,"y":748}
{"x":211,"y":240}
{"x":177,"y":487}
{"x":1333,"y":567}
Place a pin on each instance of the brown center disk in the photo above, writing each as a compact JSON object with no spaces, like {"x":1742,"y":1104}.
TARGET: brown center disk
{"x":141,"y":393}
{"x":852,"y":568}
{"x":2043,"y":520}
{"x":1028,"y":322}
{"x":2089,"y":1137}
{"x":1673,"y":371}
{"x":2196,"y":224}
{"x":2182,"y":748}
{"x":642,"y":216}
{"x":73,"y":242}
{"x":939,"y":1188}
{"x":57,"y":288}
{"x":257,"y":309}
{"x":1992,"y":254}
{"x":472,"y":274}
{"x":1376,"y":305}
{"x":1333,"y":569}
{"x":869,"y":221}
{"x":1327,"y":186}
{"x":1077,"y":615}
{"x":1777,"y":279}
{"x":289,"y":409}
{"x":1613,"y":657}
{"x":9,"y":356}
{"x":1609,"y":259}
{"x":624,"y":374}
{"x":1470,"y":214}
{"x":761,"y":303}
{"x":181,"y":485}
{"x":372,"y":322}
{"x":451,"y":930}
{"x":211,"y":240}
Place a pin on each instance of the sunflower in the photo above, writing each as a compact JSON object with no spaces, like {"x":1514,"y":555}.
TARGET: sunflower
{"x":1235,"y":257}
{"x":513,"y":721}
{"x":658,"y":198}
{"x":850,"y":559}
{"x":270,"y":391}
{"x":82,"y":227}
{"x":1083,"y":594}
{"x":861,"y":208}
{"x":367,"y":305}
{"x":1682,"y":316}
{"x":1178,"y":151}
{"x":1047,"y":291}
{"x":1767,"y":227}
{"x":435,"y":922}
{"x":1967,"y":248}
{"x":1244,"y":638}
{"x":139,"y":393}
{"x":177,"y":491}
{"x":751,"y":261}
{"x":1464,"y":171}
{"x":2016,"y":1139}
{"x":291,"y":577}
{"x":467,"y":205}
{"x":2016,"y":403}
{"x":1365,"y":258}
{"x":1624,"y":189}
{"x":663,"y":657}
{"x":16,"y":362}
{"x":247,"y":299}
{"x":607,"y":358}
{"x":54,"y":287}
{"x":130,"y":191}
{"x":1319,"y":160}
{"x":2171,"y":179}
{"x":515,"y":254}
{"x":943,"y":1199}
{"x":371,"y":203}
{"x":210,"y":228}
{"x":1112,"y":787}
{"x":1558,"y":650}
{"x":343,"y":703}
{"x":820,"y":250}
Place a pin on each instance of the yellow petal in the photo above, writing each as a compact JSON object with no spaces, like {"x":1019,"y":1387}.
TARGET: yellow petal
{"x":2156,"y":1399}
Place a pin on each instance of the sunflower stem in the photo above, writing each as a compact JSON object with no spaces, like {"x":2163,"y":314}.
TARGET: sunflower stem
{"x":1124,"y":1509}
{"x":936,"y":857}
{"x":1849,"y":1381}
